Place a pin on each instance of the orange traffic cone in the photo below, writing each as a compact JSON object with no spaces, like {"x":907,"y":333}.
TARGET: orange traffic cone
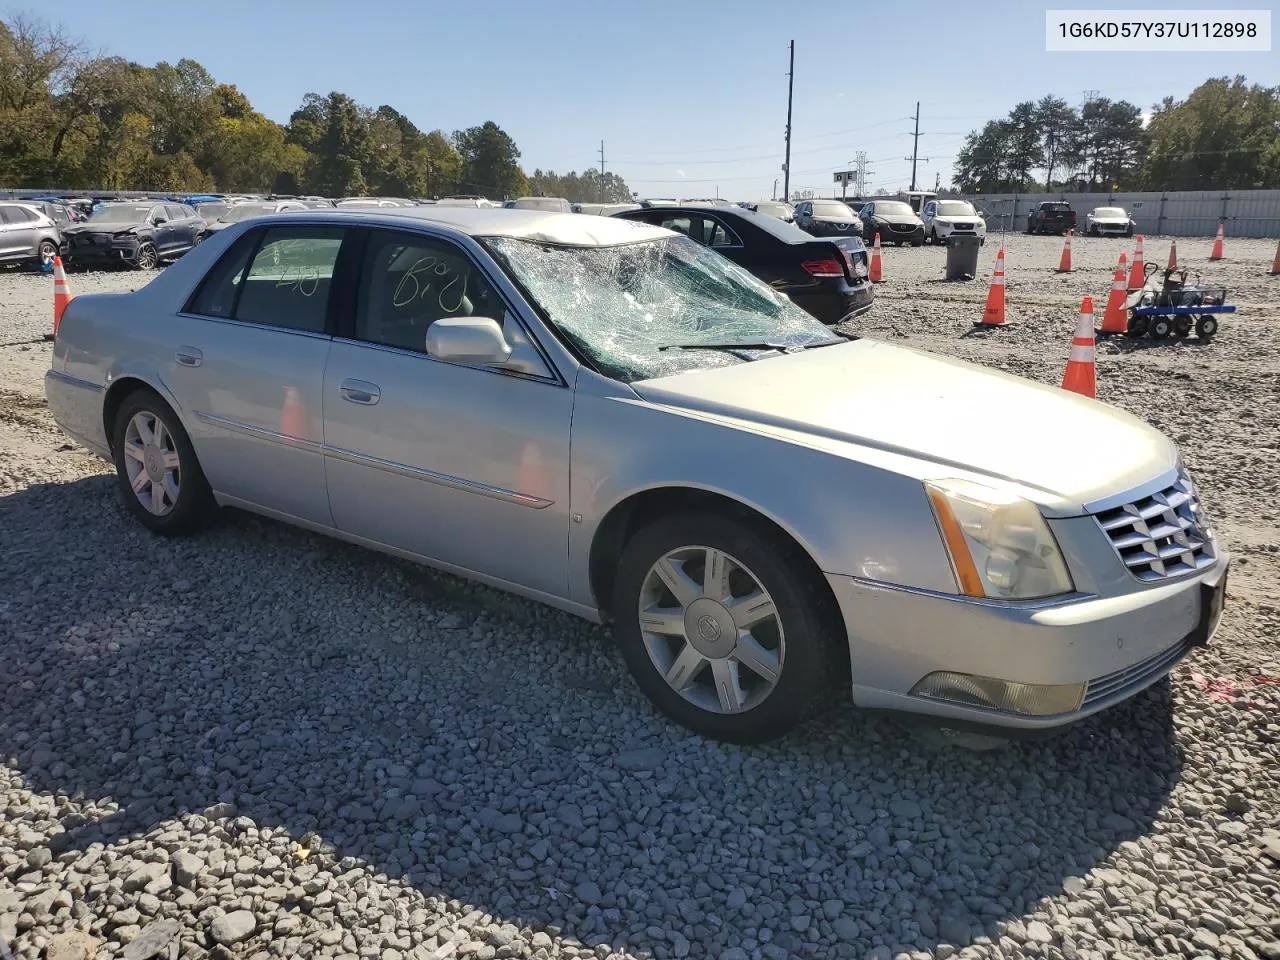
{"x":1138,"y":270}
{"x":1173,"y":254}
{"x":1217,"y":245}
{"x":1115,"y":320}
{"x":293,"y":419}
{"x":1275,"y":264}
{"x":877,"y":270}
{"x":993,"y":315}
{"x":1064,"y":265}
{"x":1079,"y":377}
{"x":61,"y":296}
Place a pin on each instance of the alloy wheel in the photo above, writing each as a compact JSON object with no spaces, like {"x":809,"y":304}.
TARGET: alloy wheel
{"x":711,"y":629}
{"x":152,"y":462}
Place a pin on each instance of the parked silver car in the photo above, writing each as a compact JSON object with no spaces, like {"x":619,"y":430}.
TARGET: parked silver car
{"x":27,"y":234}
{"x":610,"y":418}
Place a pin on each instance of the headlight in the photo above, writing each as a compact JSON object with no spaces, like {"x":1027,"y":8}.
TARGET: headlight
{"x":999,"y":544}
{"x":943,"y":223}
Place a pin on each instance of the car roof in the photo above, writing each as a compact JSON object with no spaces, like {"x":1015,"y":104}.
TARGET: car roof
{"x":563,"y":229}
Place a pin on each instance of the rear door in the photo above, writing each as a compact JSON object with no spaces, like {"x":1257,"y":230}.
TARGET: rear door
{"x":247,"y":367}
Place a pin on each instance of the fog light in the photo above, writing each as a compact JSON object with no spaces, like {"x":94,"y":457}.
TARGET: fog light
{"x":1030,"y":699}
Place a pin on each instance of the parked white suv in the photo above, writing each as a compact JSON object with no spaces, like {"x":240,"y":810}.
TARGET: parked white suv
{"x":27,"y":234}
{"x":944,"y":219}
{"x":1113,"y":221}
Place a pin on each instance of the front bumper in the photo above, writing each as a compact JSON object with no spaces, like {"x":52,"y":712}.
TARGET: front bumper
{"x":1114,"y":229}
{"x":947,"y":230}
{"x":1116,"y":645}
{"x":113,"y":251}
{"x":889,"y":233}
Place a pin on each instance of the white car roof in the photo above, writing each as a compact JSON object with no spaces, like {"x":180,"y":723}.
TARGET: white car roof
{"x":567,"y":229}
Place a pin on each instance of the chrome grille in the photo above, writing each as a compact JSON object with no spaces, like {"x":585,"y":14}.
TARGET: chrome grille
{"x":1134,"y":677}
{"x":1161,"y":535}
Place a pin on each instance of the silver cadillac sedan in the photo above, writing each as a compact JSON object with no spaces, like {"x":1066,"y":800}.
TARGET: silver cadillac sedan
{"x":609,"y":418}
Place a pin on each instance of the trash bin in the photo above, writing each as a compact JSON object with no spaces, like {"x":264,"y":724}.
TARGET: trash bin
{"x":962,"y":258}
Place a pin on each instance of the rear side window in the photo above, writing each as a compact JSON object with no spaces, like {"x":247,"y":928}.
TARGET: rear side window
{"x":288,"y":282}
{"x":282,"y":282}
{"x":216,"y":296}
{"x":175,"y":212}
{"x":17,"y":214}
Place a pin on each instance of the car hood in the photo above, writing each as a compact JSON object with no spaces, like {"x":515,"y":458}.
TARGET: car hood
{"x":932,"y":417}
{"x":833,"y":222}
{"x":80,"y":229}
{"x":898,"y":218}
{"x":1108,"y":219}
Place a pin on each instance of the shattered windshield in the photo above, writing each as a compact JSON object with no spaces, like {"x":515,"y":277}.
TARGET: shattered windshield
{"x":620,"y":305}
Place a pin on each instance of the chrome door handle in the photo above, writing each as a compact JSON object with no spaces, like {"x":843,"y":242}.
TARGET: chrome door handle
{"x":189,"y":356}
{"x":360,"y":391}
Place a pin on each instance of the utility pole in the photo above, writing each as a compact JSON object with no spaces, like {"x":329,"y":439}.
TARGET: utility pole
{"x":775,"y":188}
{"x":602,"y":171}
{"x":786,"y":166}
{"x":860,"y":180}
{"x":915,"y":146}
{"x":937,"y":181}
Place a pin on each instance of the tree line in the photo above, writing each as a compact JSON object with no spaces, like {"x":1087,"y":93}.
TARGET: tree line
{"x":1224,"y":136}
{"x":74,"y":120}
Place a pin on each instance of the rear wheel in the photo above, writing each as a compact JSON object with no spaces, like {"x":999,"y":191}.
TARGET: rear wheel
{"x":48,"y":250}
{"x":1206,"y":326}
{"x":160,"y":479}
{"x":724,"y":626}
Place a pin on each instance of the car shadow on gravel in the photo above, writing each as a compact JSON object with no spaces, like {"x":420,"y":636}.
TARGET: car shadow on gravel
{"x":490,"y":751}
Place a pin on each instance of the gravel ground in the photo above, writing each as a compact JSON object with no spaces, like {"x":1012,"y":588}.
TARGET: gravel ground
{"x":264,"y":743}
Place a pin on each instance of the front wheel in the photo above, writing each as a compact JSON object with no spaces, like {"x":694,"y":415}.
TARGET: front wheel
{"x":160,"y":479}
{"x":1138,"y":325}
{"x":147,"y":257}
{"x":724,"y":626}
{"x":1161,"y":327}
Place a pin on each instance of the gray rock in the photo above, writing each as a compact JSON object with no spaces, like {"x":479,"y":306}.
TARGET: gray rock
{"x":39,"y":857}
{"x":233,"y":927}
{"x":509,"y":823}
{"x":1037,"y":932}
{"x":1118,"y":823}
{"x":737,"y":899}
{"x":69,"y":946}
{"x":588,"y":892}
{"x":648,"y":758}
{"x":832,"y":908}
{"x":187,"y":868}
{"x":903,"y":807}
{"x":1205,"y":940}
{"x":955,"y":930}
{"x":1237,"y":803}
{"x":146,"y":876}
{"x":153,"y":940}
{"x":846,"y":929}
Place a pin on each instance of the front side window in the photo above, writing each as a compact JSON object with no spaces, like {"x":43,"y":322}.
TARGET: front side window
{"x":621,"y":305}
{"x":409,"y":281}
{"x":718,"y":235}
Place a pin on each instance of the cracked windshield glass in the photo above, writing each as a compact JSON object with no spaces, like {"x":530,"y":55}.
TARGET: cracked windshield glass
{"x":622,"y":305}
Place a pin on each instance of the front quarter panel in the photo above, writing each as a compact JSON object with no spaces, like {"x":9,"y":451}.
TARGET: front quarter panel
{"x":852,"y":518}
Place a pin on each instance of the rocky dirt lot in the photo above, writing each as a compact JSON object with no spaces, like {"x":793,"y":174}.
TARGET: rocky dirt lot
{"x":262,"y":743}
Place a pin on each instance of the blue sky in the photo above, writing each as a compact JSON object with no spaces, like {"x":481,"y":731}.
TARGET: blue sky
{"x":689,"y":97}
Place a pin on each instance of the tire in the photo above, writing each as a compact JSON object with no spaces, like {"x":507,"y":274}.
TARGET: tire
{"x":1129,"y":232}
{"x":801,"y":639}
{"x":917,"y":241}
{"x":166,"y":515}
{"x":1206,"y":326}
{"x":148,"y":259}
{"x":1181,"y":326}
{"x":1161,"y":327}
{"x":1138,"y":326}
{"x":46,"y":251}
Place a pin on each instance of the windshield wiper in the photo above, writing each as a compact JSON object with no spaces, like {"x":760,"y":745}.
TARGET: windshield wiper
{"x":745,"y":345}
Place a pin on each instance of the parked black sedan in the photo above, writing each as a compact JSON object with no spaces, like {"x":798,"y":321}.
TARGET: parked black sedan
{"x":827,"y":277}
{"x":133,"y":234}
{"x":827,"y":218}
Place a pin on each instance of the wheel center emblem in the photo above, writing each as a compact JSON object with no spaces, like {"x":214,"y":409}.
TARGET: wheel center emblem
{"x":151,"y":461}
{"x":708,"y":628}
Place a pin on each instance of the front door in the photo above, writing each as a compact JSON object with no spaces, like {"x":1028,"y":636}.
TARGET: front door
{"x":465,"y":465}
{"x":247,"y":367}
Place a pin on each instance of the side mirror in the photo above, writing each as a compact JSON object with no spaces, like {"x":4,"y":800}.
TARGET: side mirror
{"x":159,"y":221}
{"x":468,"y":340}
